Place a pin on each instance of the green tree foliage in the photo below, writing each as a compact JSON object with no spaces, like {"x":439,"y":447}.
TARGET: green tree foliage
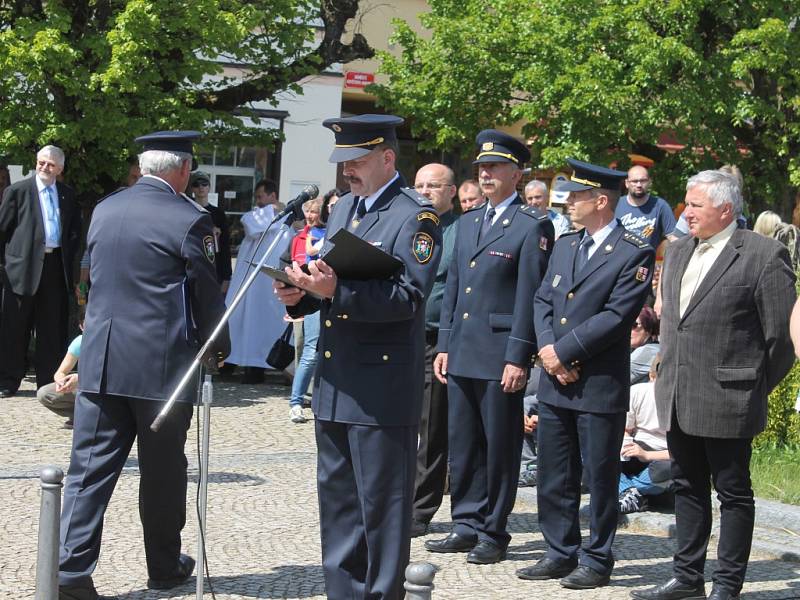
{"x":601,"y":79}
{"x":90,"y":75}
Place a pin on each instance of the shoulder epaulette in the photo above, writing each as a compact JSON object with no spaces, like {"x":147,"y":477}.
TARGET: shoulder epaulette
{"x":480,"y":206}
{"x":193,"y":203}
{"x":634,"y":239}
{"x":531,"y":211}
{"x":416,"y":197}
{"x":114,"y":193}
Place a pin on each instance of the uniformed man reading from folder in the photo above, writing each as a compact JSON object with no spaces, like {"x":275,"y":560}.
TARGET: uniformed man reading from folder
{"x":369,"y":380}
{"x":595,"y":285}
{"x":486,"y":342}
{"x":154,"y":300}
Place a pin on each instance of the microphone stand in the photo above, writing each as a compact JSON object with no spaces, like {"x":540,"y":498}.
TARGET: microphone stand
{"x":287,"y":215}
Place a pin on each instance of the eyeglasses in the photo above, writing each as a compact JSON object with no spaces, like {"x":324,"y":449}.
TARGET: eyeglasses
{"x":200,"y":184}
{"x":431,"y":186}
{"x":46,"y":163}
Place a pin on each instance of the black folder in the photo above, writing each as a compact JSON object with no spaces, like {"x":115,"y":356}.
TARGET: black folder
{"x":350,"y":258}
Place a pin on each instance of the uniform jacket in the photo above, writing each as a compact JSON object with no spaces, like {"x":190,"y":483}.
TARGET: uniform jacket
{"x":22,"y":234}
{"x":154,"y":297}
{"x":487,"y":311}
{"x":371,"y":362}
{"x":588,"y":318}
{"x":720,"y":361}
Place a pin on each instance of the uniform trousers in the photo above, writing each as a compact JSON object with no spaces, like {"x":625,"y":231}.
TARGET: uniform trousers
{"x":105,"y":427}
{"x":696,"y":462}
{"x":46,"y":312}
{"x":564,"y":436}
{"x":485,"y":436}
{"x":432,"y":451}
{"x":365,"y":484}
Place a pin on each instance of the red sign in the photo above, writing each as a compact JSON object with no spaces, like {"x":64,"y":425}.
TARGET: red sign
{"x":356,"y":79}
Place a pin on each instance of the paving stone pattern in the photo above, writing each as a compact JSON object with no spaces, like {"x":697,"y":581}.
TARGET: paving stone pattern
{"x":263,"y":537}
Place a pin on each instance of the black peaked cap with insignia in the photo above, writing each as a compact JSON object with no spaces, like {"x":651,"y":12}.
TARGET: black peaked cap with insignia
{"x":497,"y":146}
{"x":586,"y":176}
{"x":169,"y":141}
{"x":358,"y":136}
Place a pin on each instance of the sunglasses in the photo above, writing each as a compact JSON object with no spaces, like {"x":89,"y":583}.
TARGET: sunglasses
{"x":200,"y":184}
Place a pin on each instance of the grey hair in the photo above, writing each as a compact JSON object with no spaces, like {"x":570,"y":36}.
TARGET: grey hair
{"x":54,"y":152}
{"x":534,"y":184}
{"x":720,"y":187}
{"x":157,"y":162}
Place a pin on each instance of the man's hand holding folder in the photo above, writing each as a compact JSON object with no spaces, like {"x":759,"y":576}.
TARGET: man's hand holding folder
{"x":320,"y":280}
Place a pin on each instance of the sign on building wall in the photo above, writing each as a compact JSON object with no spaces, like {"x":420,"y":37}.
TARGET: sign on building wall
{"x":358,"y":79}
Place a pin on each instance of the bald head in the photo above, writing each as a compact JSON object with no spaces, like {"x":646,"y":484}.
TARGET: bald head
{"x":437,"y":183}
{"x":638,"y":184}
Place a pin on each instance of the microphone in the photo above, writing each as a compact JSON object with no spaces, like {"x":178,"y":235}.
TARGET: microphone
{"x":295,"y":204}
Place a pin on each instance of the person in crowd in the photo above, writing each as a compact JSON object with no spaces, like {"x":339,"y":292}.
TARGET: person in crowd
{"x":648,"y":216}
{"x":645,"y":471}
{"x":40,"y":230}
{"x":258,"y":319}
{"x":155,"y":299}
{"x":485,"y":346}
{"x":5,"y":179}
{"x":59,"y":396}
{"x":644,"y":344}
{"x":372,"y":338}
{"x":305,"y":247}
{"x":536,"y":195}
{"x":596,"y":284}
{"x":470,"y":195}
{"x":727,"y":296}
{"x":437,"y":183}
{"x":769,"y":224}
{"x":200,"y":186}
{"x":530,"y":416}
{"x":329,"y":200}
{"x":134,"y":173}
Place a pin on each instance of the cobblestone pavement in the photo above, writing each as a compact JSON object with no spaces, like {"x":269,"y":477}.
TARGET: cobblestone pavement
{"x":263,"y":539}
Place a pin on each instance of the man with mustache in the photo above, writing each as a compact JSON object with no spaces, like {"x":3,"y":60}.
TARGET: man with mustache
{"x":369,"y":380}
{"x":486,"y":341}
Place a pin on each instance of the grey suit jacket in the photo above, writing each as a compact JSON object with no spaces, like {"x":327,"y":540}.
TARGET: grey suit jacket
{"x":731,"y":347}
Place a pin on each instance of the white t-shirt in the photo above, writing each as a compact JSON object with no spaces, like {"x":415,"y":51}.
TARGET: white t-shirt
{"x":643,"y":417}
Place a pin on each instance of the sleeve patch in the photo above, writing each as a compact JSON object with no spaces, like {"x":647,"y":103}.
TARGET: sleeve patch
{"x":210,"y":248}
{"x":428,"y":215}
{"x":422,"y":247}
{"x":641,"y":274}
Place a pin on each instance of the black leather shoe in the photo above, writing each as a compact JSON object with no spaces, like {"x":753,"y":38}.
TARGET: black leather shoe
{"x":452,"y":543}
{"x":486,"y":553}
{"x":80,"y":592}
{"x":674,"y":589}
{"x":546,"y":569}
{"x":720,"y":593}
{"x":7,"y":392}
{"x":418,"y":528}
{"x":181,"y":574}
{"x":584,"y":578}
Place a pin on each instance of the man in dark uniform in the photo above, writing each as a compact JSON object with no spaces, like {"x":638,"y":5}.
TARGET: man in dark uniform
{"x":486,"y":342}
{"x":200,"y":186}
{"x":369,"y":379}
{"x":595,"y":285}
{"x":154,"y":299}
{"x":40,"y":228}
{"x":437,"y":183}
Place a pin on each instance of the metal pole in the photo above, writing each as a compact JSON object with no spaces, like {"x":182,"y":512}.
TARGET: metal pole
{"x":49,"y":516}
{"x":419,"y":581}
{"x":282,"y":233}
{"x":208,"y":396}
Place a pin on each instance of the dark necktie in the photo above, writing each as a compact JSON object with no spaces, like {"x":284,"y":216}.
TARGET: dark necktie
{"x":487,"y":222}
{"x":361,"y":210}
{"x":583,"y":253}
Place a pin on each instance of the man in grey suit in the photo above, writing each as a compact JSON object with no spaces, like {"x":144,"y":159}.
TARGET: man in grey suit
{"x":727,"y":295}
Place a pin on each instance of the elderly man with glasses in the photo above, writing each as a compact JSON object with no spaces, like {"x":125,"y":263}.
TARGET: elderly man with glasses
{"x":40,"y":228}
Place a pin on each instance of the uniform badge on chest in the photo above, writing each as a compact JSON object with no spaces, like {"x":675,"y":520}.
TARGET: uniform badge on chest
{"x":556,"y":280}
